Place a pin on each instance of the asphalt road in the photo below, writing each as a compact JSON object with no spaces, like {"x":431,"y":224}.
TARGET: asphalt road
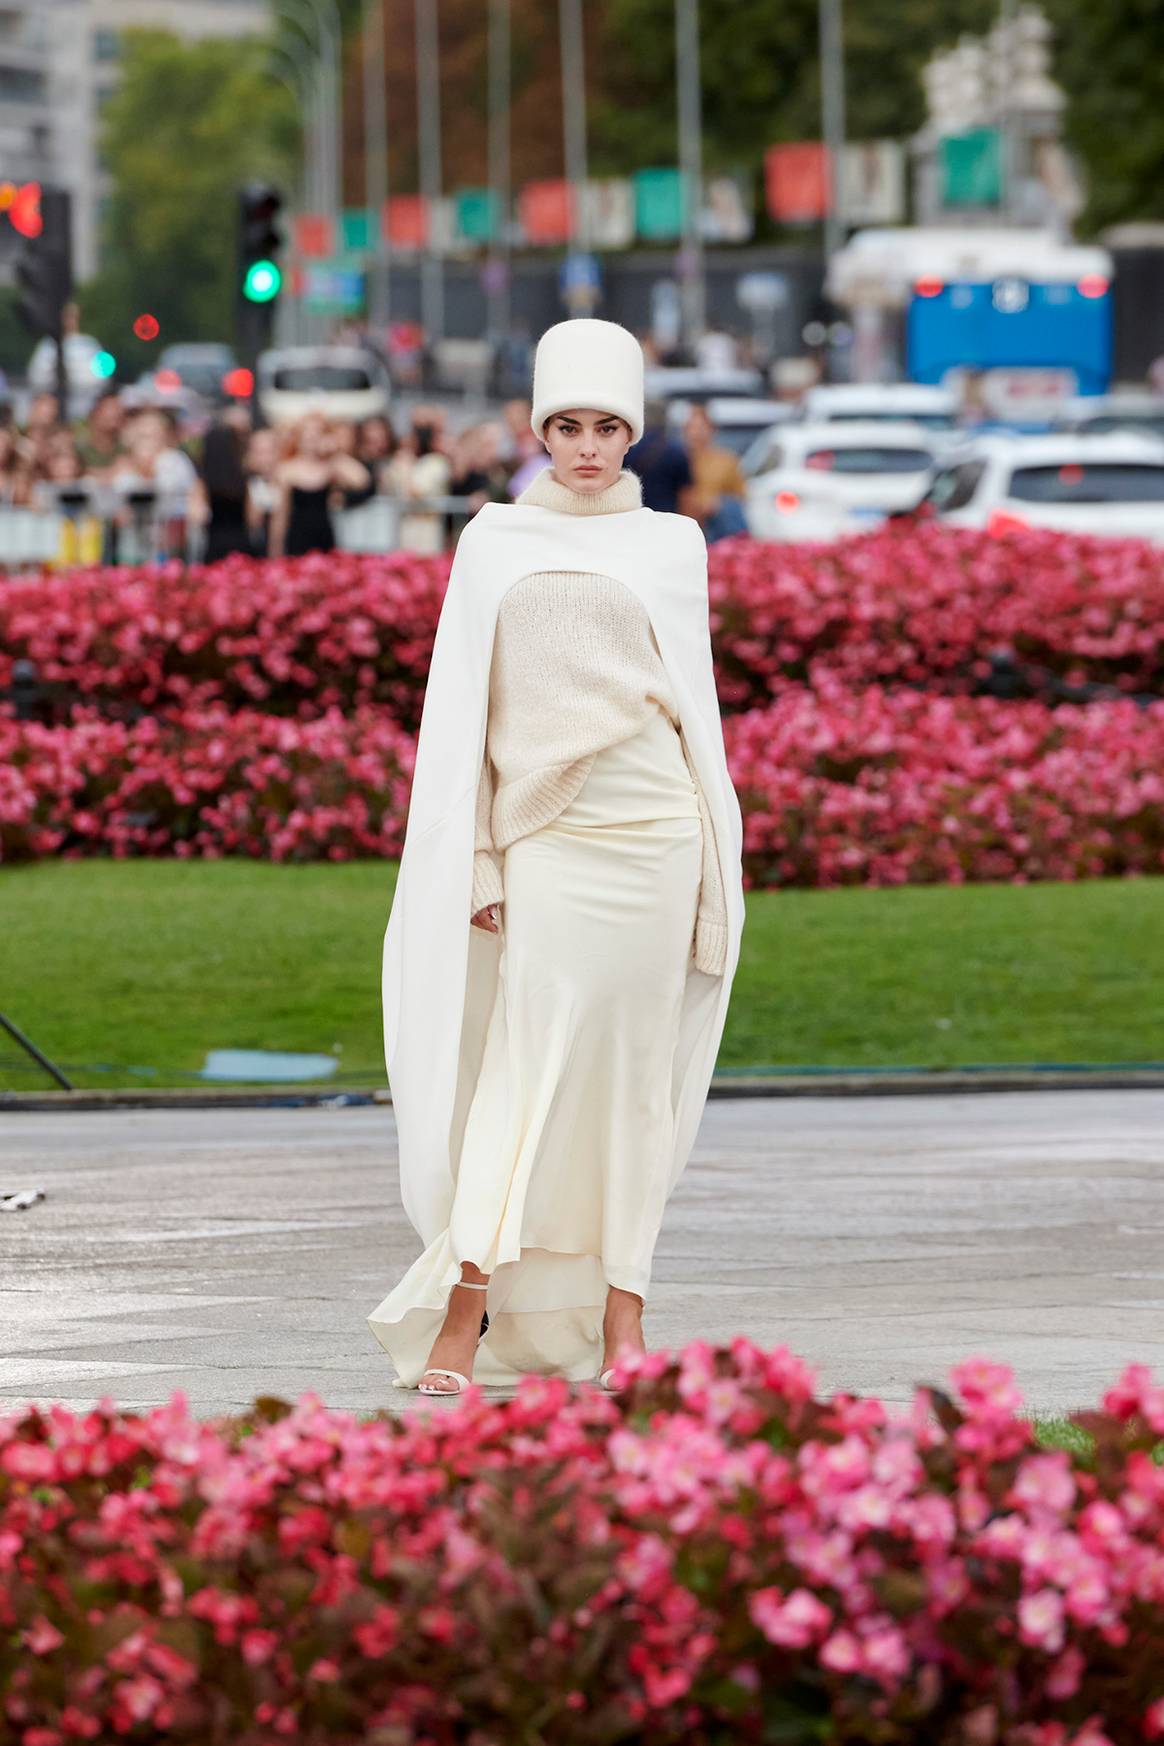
{"x":231,"y":1253}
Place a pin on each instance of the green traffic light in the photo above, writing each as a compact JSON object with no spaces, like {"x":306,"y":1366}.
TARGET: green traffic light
{"x":103,"y":364}
{"x":262,"y":282}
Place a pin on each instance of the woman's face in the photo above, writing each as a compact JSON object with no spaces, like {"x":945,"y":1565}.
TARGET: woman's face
{"x":587,"y":447}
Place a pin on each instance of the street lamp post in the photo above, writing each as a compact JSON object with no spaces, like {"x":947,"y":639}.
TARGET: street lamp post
{"x":376,"y":161}
{"x":322,"y":18}
{"x":687,"y":74}
{"x":573,"y":58}
{"x":832,"y":102}
{"x":428,"y":107}
{"x":499,"y":167}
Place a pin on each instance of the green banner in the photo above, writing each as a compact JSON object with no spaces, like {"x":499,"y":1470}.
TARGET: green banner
{"x":658,"y":203}
{"x":478,"y":214}
{"x":357,"y":233}
{"x":971,"y":166}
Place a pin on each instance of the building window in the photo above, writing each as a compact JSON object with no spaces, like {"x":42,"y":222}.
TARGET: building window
{"x":106,"y":46}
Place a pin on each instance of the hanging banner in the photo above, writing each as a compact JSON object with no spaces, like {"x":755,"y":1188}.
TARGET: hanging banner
{"x":356,"y":230}
{"x":405,"y":221}
{"x":333,"y":288}
{"x":971,"y":167}
{"x":478,"y":214}
{"x":609,"y":205}
{"x":727,"y":215}
{"x":658,"y":203}
{"x":313,"y":235}
{"x":872,"y":182}
{"x":546,"y":212}
{"x":797,"y":182}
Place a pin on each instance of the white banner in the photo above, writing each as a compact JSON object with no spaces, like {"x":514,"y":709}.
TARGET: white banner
{"x":872,"y":180}
{"x":610,"y":212}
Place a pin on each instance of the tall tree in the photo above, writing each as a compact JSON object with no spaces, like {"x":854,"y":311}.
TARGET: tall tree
{"x":186,"y":126}
{"x":1109,"y":58}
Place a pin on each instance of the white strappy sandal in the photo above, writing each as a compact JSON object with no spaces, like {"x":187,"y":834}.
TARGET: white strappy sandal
{"x":463,"y":1382}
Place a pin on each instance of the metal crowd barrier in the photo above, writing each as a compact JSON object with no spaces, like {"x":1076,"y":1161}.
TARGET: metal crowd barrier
{"x":95,"y":525}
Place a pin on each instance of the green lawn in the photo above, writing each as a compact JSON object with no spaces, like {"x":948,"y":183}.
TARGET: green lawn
{"x":114,"y":967}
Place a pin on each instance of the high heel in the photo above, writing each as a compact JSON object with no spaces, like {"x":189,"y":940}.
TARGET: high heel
{"x":463,"y":1382}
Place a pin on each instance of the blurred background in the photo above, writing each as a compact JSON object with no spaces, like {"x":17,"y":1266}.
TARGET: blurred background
{"x":347,"y":223}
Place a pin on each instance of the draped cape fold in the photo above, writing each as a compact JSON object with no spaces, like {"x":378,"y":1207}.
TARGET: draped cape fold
{"x":440,"y":974}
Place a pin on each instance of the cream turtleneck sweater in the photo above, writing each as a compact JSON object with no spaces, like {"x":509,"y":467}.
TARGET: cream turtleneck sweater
{"x":575,"y":668}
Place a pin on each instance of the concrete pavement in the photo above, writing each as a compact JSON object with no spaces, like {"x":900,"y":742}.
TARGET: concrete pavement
{"x":237,"y":1252}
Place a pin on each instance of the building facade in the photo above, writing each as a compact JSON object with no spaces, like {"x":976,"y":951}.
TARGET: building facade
{"x":59,"y":64}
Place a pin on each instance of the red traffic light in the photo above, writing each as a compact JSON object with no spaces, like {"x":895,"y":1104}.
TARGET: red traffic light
{"x":167,"y":380}
{"x":147,"y":327}
{"x":239,"y":383}
{"x":24,"y":210}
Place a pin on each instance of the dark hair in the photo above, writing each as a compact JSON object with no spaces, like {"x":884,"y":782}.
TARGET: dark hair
{"x":222,"y":468}
{"x":424,"y":434}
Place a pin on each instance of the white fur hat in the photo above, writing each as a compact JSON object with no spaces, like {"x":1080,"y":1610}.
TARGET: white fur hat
{"x":586,"y":362}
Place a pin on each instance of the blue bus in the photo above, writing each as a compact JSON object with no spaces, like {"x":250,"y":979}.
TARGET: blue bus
{"x":1018,"y":306}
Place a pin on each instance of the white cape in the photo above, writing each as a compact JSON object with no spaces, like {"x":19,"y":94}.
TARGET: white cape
{"x":440,"y":974}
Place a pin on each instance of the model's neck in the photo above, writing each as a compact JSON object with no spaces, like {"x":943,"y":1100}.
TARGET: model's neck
{"x":546,"y":491}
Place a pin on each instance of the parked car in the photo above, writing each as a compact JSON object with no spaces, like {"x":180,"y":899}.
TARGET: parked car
{"x":1127,"y":409}
{"x":1112,"y":484}
{"x":935,"y":408}
{"x":342,"y":382}
{"x":200,"y":366}
{"x":737,"y":421}
{"x":686,"y":382}
{"x":820,"y":481}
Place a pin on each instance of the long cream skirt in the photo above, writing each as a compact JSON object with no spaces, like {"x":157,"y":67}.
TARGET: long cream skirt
{"x":562,"y":1177}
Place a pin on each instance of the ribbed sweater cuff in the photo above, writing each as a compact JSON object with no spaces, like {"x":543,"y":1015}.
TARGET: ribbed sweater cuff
{"x":535,"y":799}
{"x":488,"y":885}
{"x":710,"y":946}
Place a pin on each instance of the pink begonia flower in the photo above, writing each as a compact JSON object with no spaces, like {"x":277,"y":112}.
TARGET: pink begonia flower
{"x":793,"y":1621}
{"x":1041,"y":1620}
{"x":1045,"y":1484}
{"x":842,"y":1652}
{"x":42,"y":1636}
{"x":1063,"y":1679}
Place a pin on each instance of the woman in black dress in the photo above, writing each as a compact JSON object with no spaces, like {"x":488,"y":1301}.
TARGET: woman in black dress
{"x":222,"y":492}
{"x":312,"y":481}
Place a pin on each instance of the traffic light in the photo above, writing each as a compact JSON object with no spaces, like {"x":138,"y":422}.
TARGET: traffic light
{"x":260,"y":277}
{"x":44,"y":266}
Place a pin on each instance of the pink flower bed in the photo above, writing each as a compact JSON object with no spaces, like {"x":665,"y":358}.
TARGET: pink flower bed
{"x":717,"y":1556}
{"x":872,"y":787}
{"x":921,"y":604}
{"x":837,"y":786}
{"x":206,"y":783}
{"x":909,"y":604}
{"x":297,"y":637}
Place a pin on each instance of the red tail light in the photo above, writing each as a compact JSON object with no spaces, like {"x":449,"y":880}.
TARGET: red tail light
{"x":929,"y":287}
{"x":787,"y":501}
{"x":239,"y":383}
{"x":1092,"y":285}
{"x":1005,"y":521}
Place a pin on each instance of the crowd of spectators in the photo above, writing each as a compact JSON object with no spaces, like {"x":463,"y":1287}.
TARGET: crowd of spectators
{"x":232,"y":486}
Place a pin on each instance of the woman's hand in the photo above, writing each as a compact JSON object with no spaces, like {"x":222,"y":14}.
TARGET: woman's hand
{"x":487,"y":918}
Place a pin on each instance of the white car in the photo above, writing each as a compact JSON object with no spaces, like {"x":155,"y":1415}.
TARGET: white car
{"x":936,"y":408}
{"x":341,"y":382}
{"x":737,"y":422}
{"x":821,"y":481}
{"x":687,"y":382}
{"x":1111,"y":484}
{"x":1129,"y":409}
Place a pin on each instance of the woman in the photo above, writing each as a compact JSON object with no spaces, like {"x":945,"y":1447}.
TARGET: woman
{"x":420,"y":469}
{"x":220,"y":495}
{"x":311,"y":481}
{"x":549,"y":1046}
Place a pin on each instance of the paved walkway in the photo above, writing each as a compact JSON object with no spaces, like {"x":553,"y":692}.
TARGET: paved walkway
{"x":233,"y":1253}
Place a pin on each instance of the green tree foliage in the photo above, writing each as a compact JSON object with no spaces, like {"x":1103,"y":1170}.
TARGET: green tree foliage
{"x":187,"y":125}
{"x":761,"y":74}
{"x":1109,"y":58}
